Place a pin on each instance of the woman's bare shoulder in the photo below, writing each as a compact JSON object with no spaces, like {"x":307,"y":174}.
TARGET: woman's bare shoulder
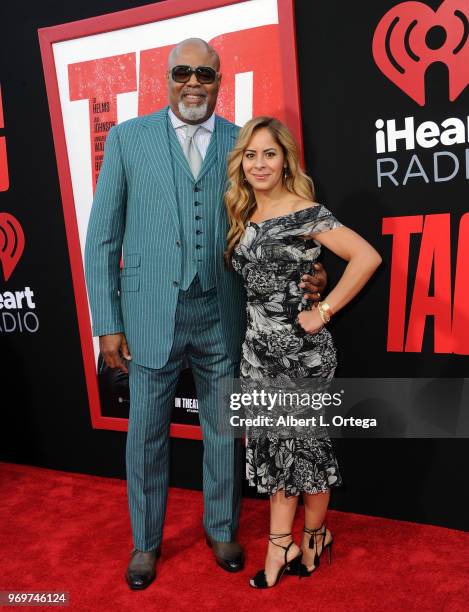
{"x":302,"y":203}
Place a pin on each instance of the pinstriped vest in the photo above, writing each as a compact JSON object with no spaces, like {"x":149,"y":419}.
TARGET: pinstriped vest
{"x":197,"y":206}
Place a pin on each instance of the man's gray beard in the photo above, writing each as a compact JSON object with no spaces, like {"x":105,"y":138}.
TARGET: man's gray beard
{"x":193,"y":113}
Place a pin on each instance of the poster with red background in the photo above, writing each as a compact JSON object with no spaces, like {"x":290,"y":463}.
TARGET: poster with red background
{"x":104,"y":70}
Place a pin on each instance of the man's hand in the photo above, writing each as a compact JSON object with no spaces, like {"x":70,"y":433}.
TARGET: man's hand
{"x":109,"y":346}
{"x":314,"y":285}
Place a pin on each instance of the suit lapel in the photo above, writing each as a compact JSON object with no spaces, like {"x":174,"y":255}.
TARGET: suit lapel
{"x":226,"y":138}
{"x":210,"y":156}
{"x":155,"y":144}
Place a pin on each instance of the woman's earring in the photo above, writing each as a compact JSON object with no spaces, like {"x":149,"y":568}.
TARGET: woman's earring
{"x":245,"y":180}
{"x":285,"y":172}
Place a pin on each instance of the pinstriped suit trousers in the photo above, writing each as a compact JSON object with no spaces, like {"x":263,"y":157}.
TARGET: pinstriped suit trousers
{"x":198,"y":336}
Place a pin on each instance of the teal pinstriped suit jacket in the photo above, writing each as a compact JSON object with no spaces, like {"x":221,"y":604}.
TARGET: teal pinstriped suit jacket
{"x":135,"y":211}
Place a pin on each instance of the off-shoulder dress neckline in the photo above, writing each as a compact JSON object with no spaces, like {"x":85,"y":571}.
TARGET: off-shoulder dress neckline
{"x":295,"y":212}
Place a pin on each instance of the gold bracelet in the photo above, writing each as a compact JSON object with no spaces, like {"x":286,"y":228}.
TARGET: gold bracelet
{"x":325,"y":312}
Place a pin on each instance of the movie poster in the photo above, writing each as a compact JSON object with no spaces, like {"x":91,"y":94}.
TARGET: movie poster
{"x":105,"y":70}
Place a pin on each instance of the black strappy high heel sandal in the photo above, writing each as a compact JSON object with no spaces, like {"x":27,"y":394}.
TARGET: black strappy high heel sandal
{"x":303,"y":571}
{"x":259,"y":581}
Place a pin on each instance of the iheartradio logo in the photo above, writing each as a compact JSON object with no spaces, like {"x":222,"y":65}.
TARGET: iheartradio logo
{"x":11,"y":243}
{"x":412,"y":36}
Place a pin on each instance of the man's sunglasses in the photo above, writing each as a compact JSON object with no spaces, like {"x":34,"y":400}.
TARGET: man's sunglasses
{"x":204,"y":74}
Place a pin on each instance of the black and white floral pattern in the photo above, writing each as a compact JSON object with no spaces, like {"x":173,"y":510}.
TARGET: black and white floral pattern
{"x":272,"y":256}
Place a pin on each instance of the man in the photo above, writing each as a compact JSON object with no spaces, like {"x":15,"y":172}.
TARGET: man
{"x":159,"y":200}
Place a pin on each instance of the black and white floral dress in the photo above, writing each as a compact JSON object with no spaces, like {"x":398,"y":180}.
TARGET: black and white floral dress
{"x":272,"y":256}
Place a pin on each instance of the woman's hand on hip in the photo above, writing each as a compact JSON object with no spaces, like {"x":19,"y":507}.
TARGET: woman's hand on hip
{"x":310,"y":321}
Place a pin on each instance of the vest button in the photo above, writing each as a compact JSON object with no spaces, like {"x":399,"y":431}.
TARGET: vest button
{"x":197,"y":203}
{"x":198,"y":246}
{"x":196,"y":189}
{"x":178,"y":243}
{"x":197,"y":217}
{"x":175,"y":284}
{"x":198,"y":231}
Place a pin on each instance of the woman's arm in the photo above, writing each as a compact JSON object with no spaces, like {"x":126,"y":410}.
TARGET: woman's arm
{"x":362,"y":259}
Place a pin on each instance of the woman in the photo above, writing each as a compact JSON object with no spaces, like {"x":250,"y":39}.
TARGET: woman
{"x":276,"y":232}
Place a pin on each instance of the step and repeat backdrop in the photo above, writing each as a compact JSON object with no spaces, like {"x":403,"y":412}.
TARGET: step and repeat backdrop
{"x":376,"y":94}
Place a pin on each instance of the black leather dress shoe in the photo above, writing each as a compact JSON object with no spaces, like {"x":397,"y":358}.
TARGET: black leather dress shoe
{"x":141,"y":570}
{"x":228,"y":555}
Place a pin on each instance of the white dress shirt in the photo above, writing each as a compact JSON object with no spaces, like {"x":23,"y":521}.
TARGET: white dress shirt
{"x":201,"y":137}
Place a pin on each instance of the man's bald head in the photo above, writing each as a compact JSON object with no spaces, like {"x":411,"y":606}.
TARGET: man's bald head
{"x":196,"y":44}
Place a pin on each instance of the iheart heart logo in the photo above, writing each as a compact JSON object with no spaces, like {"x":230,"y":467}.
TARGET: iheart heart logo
{"x":11,"y":243}
{"x":412,"y":36}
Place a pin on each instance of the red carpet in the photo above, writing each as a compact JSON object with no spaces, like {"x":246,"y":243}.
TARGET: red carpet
{"x":61,"y":531}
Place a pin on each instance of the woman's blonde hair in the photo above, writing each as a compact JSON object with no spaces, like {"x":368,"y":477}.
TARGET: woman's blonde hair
{"x":239,"y":197}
